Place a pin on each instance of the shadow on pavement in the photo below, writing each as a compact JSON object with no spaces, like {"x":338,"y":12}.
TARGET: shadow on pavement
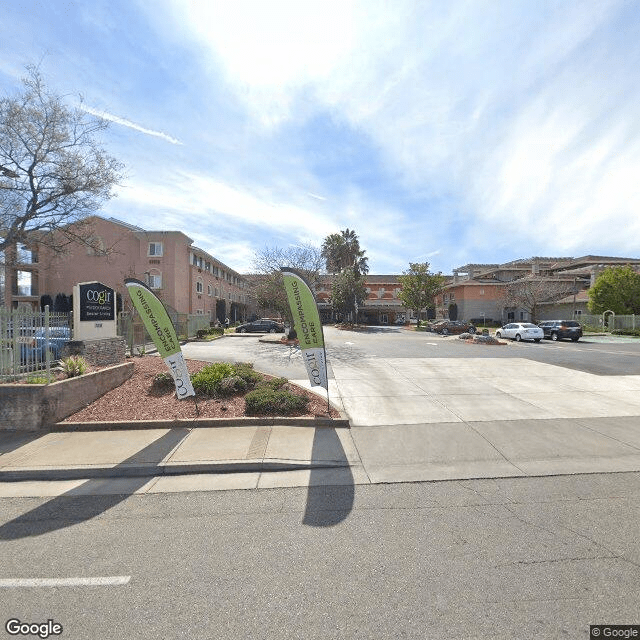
{"x":11,"y":440}
{"x":329,"y":504}
{"x":70,"y":508}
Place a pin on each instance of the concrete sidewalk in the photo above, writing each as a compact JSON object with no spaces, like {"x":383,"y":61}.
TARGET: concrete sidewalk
{"x":411,"y":420}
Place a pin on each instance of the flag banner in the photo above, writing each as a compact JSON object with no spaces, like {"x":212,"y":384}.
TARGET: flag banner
{"x":159,"y":326}
{"x":306,"y":322}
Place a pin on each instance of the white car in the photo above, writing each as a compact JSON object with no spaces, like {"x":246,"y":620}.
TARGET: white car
{"x":520,"y":331}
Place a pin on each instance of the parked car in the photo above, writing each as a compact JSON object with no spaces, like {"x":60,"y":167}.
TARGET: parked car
{"x":35,"y":349}
{"x":260,"y":326}
{"x":559,"y":329}
{"x":520,"y":331}
{"x":446,"y":327}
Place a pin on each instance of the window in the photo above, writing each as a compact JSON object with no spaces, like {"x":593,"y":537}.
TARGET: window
{"x":209,"y":290}
{"x":481,"y":292}
{"x":155,"y":281}
{"x":207,"y":266}
{"x":25,"y":285}
{"x":155,"y":249}
{"x":25,"y":255}
{"x":199,"y":287}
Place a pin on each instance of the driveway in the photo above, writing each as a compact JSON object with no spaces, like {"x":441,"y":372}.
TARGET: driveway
{"x":427,"y":408}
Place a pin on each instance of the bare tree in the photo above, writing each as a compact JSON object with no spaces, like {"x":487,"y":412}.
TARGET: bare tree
{"x":268,"y":284}
{"x":530,"y":292}
{"x":53,"y":171}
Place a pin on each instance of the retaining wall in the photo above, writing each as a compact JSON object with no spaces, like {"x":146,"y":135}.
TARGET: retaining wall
{"x":29,"y":407}
{"x":98,"y":352}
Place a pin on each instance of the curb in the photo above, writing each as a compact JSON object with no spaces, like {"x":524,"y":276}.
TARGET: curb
{"x":156,"y":470}
{"x":200,"y":423}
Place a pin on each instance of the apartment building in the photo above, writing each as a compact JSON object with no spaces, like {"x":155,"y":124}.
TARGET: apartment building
{"x":477,"y":291}
{"x":382,"y":305}
{"x":185,"y":277}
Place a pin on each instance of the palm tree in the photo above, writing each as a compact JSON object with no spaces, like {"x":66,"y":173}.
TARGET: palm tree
{"x":341,"y":250}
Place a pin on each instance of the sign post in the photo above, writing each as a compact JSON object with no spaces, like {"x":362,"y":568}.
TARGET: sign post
{"x":159,"y":326}
{"x":306,"y":322}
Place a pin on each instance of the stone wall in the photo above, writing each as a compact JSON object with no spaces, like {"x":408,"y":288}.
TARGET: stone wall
{"x":29,"y":407}
{"x":98,"y":353}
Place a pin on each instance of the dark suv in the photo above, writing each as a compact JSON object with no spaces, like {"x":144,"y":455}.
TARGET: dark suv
{"x":559,"y":329}
{"x":445,"y":327}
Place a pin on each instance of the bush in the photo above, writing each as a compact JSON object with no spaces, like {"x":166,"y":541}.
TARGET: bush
{"x":265,"y":401}
{"x":246,"y":372}
{"x":163,"y":382}
{"x":275,"y":384}
{"x":211,"y":331}
{"x":39,"y":379}
{"x":626,"y":332}
{"x":224,"y":379}
{"x":207,"y":380}
{"x":73,"y":366}
{"x":231,"y":385}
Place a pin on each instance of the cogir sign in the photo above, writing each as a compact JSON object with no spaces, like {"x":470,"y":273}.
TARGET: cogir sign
{"x":97,"y":302}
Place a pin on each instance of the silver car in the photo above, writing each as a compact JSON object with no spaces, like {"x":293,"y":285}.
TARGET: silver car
{"x":520,"y":331}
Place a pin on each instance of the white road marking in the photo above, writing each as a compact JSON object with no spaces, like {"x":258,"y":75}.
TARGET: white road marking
{"x":98,"y":581}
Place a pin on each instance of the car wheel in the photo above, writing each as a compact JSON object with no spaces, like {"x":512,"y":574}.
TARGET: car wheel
{"x":518,"y":337}
{"x":242,"y":331}
{"x":575,"y":339}
{"x":498,"y":334}
{"x":537,"y":339}
{"x":273,"y":330}
{"x":445,"y":332}
{"x":554,"y":336}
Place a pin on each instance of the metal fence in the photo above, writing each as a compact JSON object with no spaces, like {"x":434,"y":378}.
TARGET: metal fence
{"x":139,"y":341}
{"x":31,"y":342}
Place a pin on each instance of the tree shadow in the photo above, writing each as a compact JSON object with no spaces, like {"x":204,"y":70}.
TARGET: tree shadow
{"x":71,"y":508}
{"x":331,"y":491}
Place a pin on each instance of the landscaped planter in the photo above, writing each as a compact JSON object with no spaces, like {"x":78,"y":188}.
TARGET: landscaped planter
{"x":28,"y":407}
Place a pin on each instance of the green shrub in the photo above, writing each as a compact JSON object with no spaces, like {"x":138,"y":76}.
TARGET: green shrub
{"x":73,"y":366}
{"x":39,"y":379}
{"x":275,"y":384}
{"x":265,"y":401}
{"x":201,"y":334}
{"x":163,"y":382}
{"x":230,"y":386}
{"x":246,"y":372}
{"x":207,"y":380}
{"x":626,"y":332}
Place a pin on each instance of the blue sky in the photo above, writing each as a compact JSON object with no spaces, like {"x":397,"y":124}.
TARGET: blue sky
{"x":448,"y":132}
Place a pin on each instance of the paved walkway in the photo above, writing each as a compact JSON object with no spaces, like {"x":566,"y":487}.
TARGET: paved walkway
{"x":411,"y":420}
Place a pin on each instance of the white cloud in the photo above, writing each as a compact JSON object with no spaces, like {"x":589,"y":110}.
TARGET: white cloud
{"x":193,"y":193}
{"x":518,"y":116}
{"x":127,"y":123}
